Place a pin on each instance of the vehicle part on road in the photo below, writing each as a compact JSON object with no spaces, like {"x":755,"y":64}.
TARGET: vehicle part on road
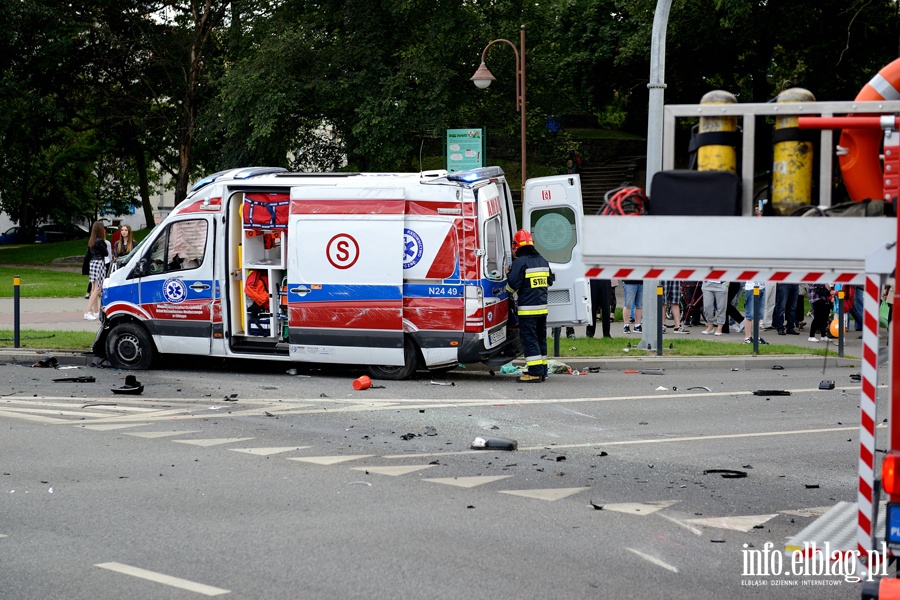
{"x":494,"y":443}
{"x":771,"y":393}
{"x":442,"y":382}
{"x":129,"y":346}
{"x":82,"y":379}
{"x":777,"y":368}
{"x":48,"y":363}
{"x":726,"y":473}
{"x":699,"y":387}
{"x":596,"y":506}
{"x":826,"y":384}
{"x":132,"y":386}
{"x":653,"y":372}
{"x":363,"y":382}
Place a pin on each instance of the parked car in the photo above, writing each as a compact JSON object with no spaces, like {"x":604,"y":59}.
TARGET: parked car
{"x":14,"y":235}
{"x":62,"y":232}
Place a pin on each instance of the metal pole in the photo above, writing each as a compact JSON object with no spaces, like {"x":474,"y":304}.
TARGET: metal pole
{"x":657,"y":88}
{"x":755,"y":319}
{"x":522,"y":104}
{"x":659,"y":319}
{"x":556,"y":333}
{"x":840,"y":317}
{"x":16,"y":284}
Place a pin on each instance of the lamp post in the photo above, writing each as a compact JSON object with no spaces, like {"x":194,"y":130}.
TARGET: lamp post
{"x":483,"y":78}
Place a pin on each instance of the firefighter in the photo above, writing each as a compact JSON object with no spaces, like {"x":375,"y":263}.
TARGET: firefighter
{"x":529,"y":278}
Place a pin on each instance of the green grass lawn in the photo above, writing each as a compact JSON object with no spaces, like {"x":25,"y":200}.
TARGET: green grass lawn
{"x":75,"y":341}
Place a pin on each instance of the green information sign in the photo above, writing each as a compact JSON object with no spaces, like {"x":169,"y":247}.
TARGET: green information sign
{"x":465,"y":149}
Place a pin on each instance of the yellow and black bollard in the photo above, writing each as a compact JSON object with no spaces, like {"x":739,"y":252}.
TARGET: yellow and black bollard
{"x":792,"y":164}
{"x":712,"y":156}
{"x":16,"y":284}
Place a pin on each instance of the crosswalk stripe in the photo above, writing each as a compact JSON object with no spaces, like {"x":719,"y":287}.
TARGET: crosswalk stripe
{"x":745,"y":524}
{"x":268,"y":451}
{"x":108,"y":427}
{"x":212,"y":442}
{"x":816,"y":511}
{"x":328,"y":460}
{"x":393,"y":471}
{"x":159,"y":434}
{"x":468,"y":482}
{"x":549,"y":494}
{"x":640,"y":508}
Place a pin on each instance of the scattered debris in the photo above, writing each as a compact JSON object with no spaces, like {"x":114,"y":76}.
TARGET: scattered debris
{"x":359,"y":483}
{"x":603,"y":453}
{"x":699,"y":387}
{"x":653,"y":372}
{"x":771,"y":393}
{"x":593,"y":369}
{"x":132,"y":386}
{"x":662,"y":389}
{"x":363,"y":382}
{"x":631,"y":371}
{"x":408,"y":436}
{"x":826,"y":384}
{"x":717,"y":540}
{"x":856,"y":377}
{"x":291,"y":372}
{"x":494,"y":443}
{"x":83,"y":379}
{"x":777,"y":368}
{"x":812,"y":486}
{"x":726,"y":473}
{"x":596,"y":506}
{"x":48,"y":363}
{"x":509,"y":369}
{"x":430,"y":431}
{"x":433,"y":382}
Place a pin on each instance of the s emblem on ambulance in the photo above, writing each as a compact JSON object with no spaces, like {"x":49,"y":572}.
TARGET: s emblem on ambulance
{"x":174,"y":291}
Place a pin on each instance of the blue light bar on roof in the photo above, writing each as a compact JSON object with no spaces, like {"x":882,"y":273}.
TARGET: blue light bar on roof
{"x":474,"y":175}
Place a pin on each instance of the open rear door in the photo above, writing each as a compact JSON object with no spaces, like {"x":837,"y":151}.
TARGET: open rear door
{"x":552,"y":212}
{"x":345,"y":275}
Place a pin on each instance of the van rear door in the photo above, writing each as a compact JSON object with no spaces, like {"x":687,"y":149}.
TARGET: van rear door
{"x":345,"y":275}
{"x":491,"y":309}
{"x":553,"y":213}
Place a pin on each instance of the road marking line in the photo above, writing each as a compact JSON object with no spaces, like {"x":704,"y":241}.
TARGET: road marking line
{"x":816,"y":511}
{"x":745,"y":524}
{"x":36,"y":418}
{"x":109,"y":427}
{"x":151,"y":435}
{"x":549,"y":494}
{"x":212,"y":442}
{"x":640,"y":508}
{"x":191,"y":586}
{"x":393,"y":471}
{"x":653,"y":560}
{"x":268,"y":451}
{"x":328,"y":460}
{"x":468,"y":482}
{"x":693,"y":530}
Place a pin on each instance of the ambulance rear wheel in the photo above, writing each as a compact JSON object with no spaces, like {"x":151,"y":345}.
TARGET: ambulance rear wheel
{"x":129,"y":346}
{"x":396,"y":372}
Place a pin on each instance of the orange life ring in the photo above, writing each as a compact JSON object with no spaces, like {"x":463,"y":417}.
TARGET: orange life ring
{"x":861,"y":165}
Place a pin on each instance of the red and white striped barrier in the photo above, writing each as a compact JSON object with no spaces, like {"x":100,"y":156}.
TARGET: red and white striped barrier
{"x":869,"y":378}
{"x":842,"y":277}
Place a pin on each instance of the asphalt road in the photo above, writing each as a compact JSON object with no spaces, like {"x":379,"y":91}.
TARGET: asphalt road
{"x":242,"y":481}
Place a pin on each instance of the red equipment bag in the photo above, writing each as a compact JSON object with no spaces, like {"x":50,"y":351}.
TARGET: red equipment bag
{"x":267,"y":211}
{"x":256,"y":288}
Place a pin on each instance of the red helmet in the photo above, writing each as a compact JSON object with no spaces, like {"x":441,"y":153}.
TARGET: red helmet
{"x":522,"y":238}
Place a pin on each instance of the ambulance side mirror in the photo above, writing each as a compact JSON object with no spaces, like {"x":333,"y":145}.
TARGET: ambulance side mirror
{"x":140,"y":269}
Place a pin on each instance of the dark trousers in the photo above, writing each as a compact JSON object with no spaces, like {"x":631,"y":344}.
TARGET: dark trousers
{"x":693,"y":303}
{"x":786,"y":295}
{"x":731,"y":311}
{"x":601,"y":302}
{"x":857,"y":311}
{"x":533,"y":331}
{"x":819,"y":325}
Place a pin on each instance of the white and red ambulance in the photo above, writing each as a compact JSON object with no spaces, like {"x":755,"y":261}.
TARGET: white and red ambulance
{"x":392,"y":271}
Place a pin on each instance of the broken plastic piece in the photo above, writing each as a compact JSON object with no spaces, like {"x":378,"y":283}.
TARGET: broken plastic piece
{"x":777,"y":368}
{"x":826,"y":384}
{"x":699,"y":387}
{"x":726,"y":473}
{"x":771,"y":393}
{"x":132,"y":386}
{"x":442,"y":382}
{"x":83,"y":379}
{"x":494,"y":443}
{"x":48,"y":363}
{"x":653,"y":372}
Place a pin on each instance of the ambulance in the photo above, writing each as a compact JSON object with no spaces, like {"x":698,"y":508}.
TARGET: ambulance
{"x":392,"y":271}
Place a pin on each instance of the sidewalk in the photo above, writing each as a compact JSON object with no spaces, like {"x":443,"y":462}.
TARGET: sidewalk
{"x":67,"y":314}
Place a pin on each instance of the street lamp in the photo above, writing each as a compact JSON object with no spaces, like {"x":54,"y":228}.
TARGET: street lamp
{"x":483,"y":78}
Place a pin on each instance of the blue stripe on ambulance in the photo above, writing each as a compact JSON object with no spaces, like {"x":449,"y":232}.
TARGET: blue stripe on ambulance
{"x":342,"y":292}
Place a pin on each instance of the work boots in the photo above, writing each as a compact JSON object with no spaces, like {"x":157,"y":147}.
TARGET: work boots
{"x":528,"y":378}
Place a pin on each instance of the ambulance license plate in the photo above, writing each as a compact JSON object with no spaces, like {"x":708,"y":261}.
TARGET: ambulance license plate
{"x":893,"y":525}
{"x":498,"y":336}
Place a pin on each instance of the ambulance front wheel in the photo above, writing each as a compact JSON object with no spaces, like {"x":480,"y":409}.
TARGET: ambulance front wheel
{"x":404,"y":371}
{"x":129,"y":346}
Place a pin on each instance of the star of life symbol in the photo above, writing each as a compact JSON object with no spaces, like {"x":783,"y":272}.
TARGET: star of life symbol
{"x":174,"y":291}
{"x":412,"y":248}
